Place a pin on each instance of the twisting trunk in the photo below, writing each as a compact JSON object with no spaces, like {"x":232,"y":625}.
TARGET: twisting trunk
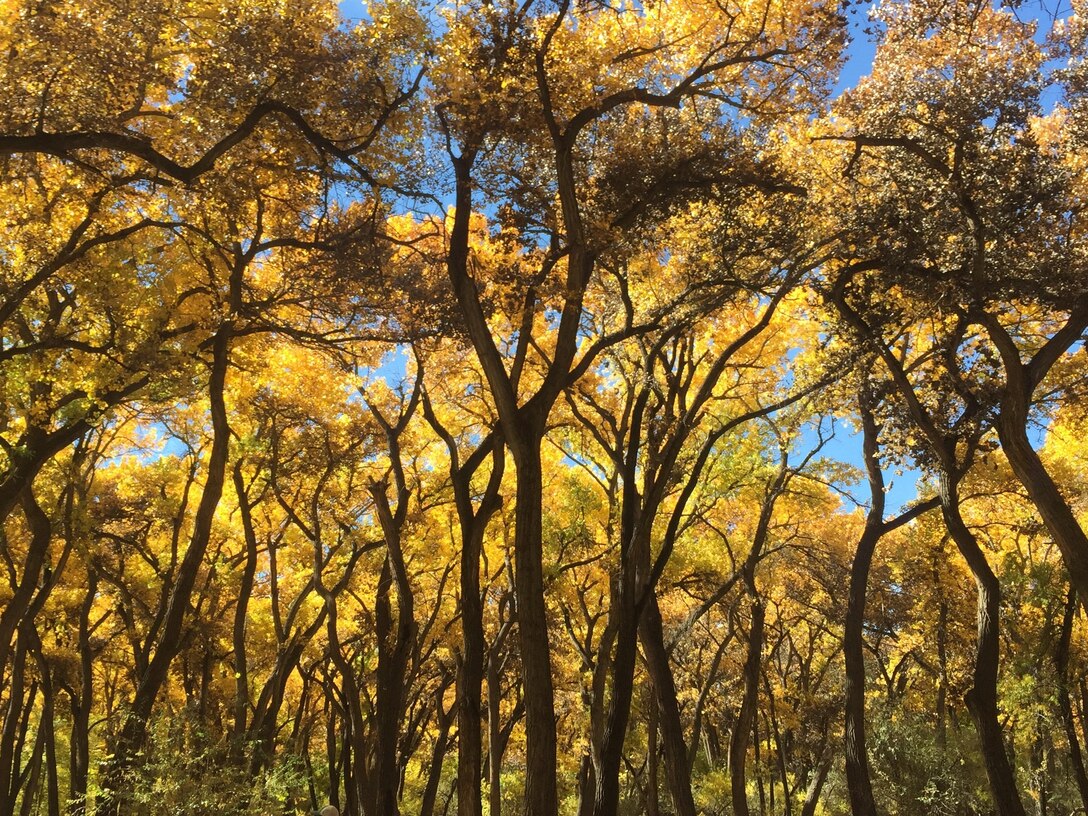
{"x":981,"y":700}
{"x":1044,"y":493}
{"x":859,"y":783}
{"x":1021,"y":381}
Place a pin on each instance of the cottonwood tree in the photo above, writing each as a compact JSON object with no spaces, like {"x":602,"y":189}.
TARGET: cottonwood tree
{"x":576,"y":100}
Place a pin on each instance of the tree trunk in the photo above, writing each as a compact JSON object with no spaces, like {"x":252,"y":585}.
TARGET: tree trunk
{"x":540,"y":750}
{"x":523,"y":423}
{"x":14,"y":729}
{"x":494,"y":741}
{"x":392,"y":662}
{"x":134,"y":733}
{"x":653,"y":807}
{"x":1045,"y":495}
{"x":80,"y":703}
{"x":498,"y":734}
{"x":981,"y":700}
{"x":46,"y":725}
{"x":241,"y":616}
{"x":471,"y":676}
{"x":444,"y":720}
{"x":1061,"y":665}
{"x":671,"y":729}
{"x":742,"y":729}
{"x":812,"y":795}
{"x":858,"y":781}
{"x":634,"y":562}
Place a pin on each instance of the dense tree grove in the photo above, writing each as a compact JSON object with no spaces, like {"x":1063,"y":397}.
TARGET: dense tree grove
{"x":493,"y":407}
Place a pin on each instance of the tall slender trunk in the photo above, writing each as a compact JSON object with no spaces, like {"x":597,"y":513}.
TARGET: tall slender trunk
{"x":981,"y":700}
{"x":742,"y":729}
{"x":394,"y":645}
{"x":353,"y":727}
{"x":332,"y":753}
{"x":473,"y":522}
{"x":540,"y":735}
{"x":444,"y":719}
{"x":653,"y":807}
{"x":494,"y":738}
{"x":606,"y":776}
{"x":14,"y":729}
{"x":80,"y":704}
{"x":670,"y":727}
{"x":26,"y":784}
{"x":241,"y":616}
{"x":779,"y":750}
{"x":46,"y":725}
{"x":498,"y":733}
{"x":1065,"y":706}
{"x":859,"y":783}
{"x":624,"y":615}
{"x":134,"y":733}
{"x":470,"y":677}
{"x":523,"y":424}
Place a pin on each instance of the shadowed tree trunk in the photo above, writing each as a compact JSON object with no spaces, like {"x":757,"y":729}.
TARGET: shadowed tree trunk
{"x":473,"y":518}
{"x":1065,"y":706}
{"x":746,"y":716}
{"x":1022,"y":379}
{"x":944,"y":442}
{"x":859,"y":783}
{"x":981,"y":699}
{"x":670,"y":727}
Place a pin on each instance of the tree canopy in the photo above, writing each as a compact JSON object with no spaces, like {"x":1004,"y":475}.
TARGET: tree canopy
{"x":489,"y":407}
